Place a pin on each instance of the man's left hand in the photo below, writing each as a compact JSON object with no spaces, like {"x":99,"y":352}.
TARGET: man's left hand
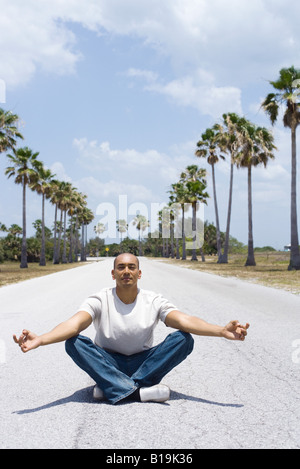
{"x":235,"y":331}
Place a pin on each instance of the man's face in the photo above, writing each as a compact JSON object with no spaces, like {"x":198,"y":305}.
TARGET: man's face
{"x":126,"y":271}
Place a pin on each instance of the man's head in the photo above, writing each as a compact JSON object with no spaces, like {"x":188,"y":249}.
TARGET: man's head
{"x":126,"y":270}
{"x":127,"y":254}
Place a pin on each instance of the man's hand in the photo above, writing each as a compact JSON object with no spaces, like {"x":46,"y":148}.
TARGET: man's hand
{"x":235,"y":331}
{"x":70,"y":328}
{"x":27,"y":341}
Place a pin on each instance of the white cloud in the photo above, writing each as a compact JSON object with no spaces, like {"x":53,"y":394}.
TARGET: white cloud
{"x":58,"y":169}
{"x":147,"y":75}
{"x":193,"y":31}
{"x":146,"y":173}
{"x":236,"y":38}
{"x":197,"y":90}
{"x":101,"y":156}
{"x":274,"y":195}
{"x":273,"y":171}
{"x":113,"y":188}
{"x":31,"y":38}
{"x":208,"y":99}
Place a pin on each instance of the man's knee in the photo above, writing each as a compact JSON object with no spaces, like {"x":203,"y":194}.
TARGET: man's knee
{"x":79,"y":343}
{"x":185,"y":340}
{"x":189,"y":341}
{"x":69,"y":344}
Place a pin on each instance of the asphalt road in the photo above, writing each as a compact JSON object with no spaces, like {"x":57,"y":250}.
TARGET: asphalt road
{"x":226,"y":395}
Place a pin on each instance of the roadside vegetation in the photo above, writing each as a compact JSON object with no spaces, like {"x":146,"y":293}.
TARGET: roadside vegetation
{"x":271,"y":269}
{"x":10,"y":272}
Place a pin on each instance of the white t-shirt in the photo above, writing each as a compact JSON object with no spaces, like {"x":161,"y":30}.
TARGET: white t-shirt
{"x":126,"y":328}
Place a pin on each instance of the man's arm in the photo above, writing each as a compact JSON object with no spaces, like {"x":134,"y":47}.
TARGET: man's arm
{"x":194,"y":325}
{"x":29,"y":340}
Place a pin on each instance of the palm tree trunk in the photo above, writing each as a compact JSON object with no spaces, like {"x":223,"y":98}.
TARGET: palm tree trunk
{"x":57,"y":258}
{"x":71,"y":241}
{"x":224,"y":257}
{"x":172,"y":240}
{"x":23,"y":264}
{"x":76,"y":239}
{"x":43,"y":255}
{"x":183,"y":235}
{"x":219,"y":250}
{"x":202,"y":254}
{"x":140,"y":243}
{"x":194,"y":231}
{"x":121,"y":245}
{"x":85,"y":243}
{"x":54,"y":240}
{"x":82,"y":243}
{"x":295,"y":256}
{"x":250,"y":259}
{"x":64,"y":257}
{"x":177,"y":248}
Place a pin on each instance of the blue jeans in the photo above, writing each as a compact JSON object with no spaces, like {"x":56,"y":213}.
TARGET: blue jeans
{"x":119,"y":375}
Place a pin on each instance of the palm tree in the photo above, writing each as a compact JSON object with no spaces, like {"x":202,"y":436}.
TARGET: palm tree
{"x":257,"y":148}
{"x":76,"y":203}
{"x":60,"y":196}
{"x":122,"y":227}
{"x":208,"y":148}
{"x":80,"y":206}
{"x":141,"y":223}
{"x":23,"y":168}
{"x":15,"y":230}
{"x":12,"y":240}
{"x":54,"y":199}
{"x":228,"y":138}
{"x":180,"y":193}
{"x":8,"y":130}
{"x":86,"y":216}
{"x":66,"y":204}
{"x":174,"y":216}
{"x":42,"y":185}
{"x":164,"y":220}
{"x":160,"y":219}
{"x":99,"y":228}
{"x":3,"y":227}
{"x":287,"y":94}
{"x":194,"y":179}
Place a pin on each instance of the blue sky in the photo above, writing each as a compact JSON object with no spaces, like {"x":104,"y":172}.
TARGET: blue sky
{"x":115,"y":94}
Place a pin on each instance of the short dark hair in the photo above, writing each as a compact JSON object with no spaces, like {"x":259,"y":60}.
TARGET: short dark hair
{"x":115,"y":260}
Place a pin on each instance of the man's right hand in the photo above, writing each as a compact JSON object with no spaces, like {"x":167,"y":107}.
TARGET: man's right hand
{"x":27,"y":340}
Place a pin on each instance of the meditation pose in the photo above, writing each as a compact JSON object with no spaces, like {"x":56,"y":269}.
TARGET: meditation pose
{"x":122,"y":359}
